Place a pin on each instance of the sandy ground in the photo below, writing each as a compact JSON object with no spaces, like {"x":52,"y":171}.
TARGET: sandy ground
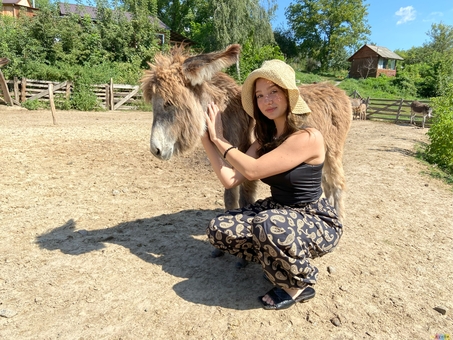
{"x":99,"y":240}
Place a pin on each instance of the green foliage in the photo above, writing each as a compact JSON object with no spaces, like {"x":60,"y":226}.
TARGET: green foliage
{"x":62,"y":103}
{"x":251,"y":58}
{"x":84,"y":99}
{"x":287,"y":43}
{"x":325,"y":28}
{"x":75,"y":48}
{"x":430,"y":67}
{"x":214,"y":24}
{"x":35,"y":104}
{"x":308,"y":78}
{"x":380,"y":87}
{"x":440,"y":149}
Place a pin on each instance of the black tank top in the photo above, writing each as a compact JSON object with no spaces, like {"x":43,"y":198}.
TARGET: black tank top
{"x":301,"y":184}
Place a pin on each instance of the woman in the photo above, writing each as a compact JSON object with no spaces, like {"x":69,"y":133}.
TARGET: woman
{"x":284,"y":231}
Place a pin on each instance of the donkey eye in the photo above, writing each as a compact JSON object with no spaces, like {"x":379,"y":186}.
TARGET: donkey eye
{"x":167,"y":105}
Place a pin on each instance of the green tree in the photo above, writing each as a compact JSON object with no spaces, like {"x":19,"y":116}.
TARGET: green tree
{"x":324,"y":28}
{"x":285,"y":39}
{"x":178,"y":14}
{"x":430,"y":67}
{"x":214,"y":24}
{"x":241,"y":20}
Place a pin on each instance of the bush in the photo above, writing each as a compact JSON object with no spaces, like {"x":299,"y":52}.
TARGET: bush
{"x":84,"y":99}
{"x":440,"y":149}
{"x":61,"y":102}
{"x":35,"y":104}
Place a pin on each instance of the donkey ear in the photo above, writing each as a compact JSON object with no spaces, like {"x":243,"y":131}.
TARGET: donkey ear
{"x":202,"y":67}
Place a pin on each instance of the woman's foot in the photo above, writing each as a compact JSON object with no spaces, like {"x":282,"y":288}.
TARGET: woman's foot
{"x":292,"y":292}
{"x":278,"y":298}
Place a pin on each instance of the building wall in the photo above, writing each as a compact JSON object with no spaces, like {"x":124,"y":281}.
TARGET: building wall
{"x":15,"y":10}
{"x":363,"y":68}
{"x":387,"y":72}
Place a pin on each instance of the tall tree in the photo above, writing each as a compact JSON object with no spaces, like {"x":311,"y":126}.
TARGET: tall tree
{"x":216,"y":23}
{"x":239,"y":20}
{"x":324,"y":28}
{"x":431,"y":66}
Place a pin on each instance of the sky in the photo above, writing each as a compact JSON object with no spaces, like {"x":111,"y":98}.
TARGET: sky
{"x":395,"y":24}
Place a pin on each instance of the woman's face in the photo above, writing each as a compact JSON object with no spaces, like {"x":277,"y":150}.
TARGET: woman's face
{"x":271,"y":99}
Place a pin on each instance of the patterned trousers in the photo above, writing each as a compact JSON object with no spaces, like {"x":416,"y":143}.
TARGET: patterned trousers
{"x":281,"y":238}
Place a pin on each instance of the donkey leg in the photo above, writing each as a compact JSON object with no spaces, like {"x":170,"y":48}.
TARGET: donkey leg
{"x":248,"y":192}
{"x":231,"y":198}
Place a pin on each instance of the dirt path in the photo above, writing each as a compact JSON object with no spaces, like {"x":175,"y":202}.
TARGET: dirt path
{"x":102,"y":241}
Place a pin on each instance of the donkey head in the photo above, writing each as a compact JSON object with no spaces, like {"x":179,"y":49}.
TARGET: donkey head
{"x":180,"y":87}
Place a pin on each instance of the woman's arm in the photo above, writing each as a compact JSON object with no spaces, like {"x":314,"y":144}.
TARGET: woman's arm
{"x":228,"y":176}
{"x":303,"y":146}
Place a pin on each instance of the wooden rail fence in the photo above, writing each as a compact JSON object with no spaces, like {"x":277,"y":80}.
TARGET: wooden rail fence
{"x":110,"y":96}
{"x":129,"y":97}
{"x":396,"y":110}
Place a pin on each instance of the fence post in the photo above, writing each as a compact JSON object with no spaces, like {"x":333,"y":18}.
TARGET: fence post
{"x":111,"y":103}
{"x":23,"y":90}
{"x":399,"y":111}
{"x":107,"y":97}
{"x":16,"y":89}
{"x":4,"y":88}
{"x":68,"y":89}
{"x":52,"y":104}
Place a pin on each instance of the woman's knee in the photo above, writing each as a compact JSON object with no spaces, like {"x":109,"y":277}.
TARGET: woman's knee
{"x":262,"y":224}
{"x":212,"y":228}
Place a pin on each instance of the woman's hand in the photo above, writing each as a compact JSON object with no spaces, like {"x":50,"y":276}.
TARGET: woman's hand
{"x":214,"y":123}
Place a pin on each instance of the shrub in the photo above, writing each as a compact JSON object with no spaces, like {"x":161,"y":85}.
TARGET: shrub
{"x":61,"y":102}
{"x":440,"y":149}
{"x":35,"y":104}
{"x":84,"y":99}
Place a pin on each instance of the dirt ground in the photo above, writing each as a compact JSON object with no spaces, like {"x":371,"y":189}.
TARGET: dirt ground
{"x":99,"y":240}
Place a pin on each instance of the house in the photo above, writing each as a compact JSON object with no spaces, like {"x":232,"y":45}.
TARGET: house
{"x":372,"y":61}
{"x":174,"y":37}
{"x":14,"y":7}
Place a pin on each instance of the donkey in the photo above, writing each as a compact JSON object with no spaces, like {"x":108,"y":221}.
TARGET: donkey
{"x":180,"y":86}
{"x":424,"y":109}
{"x":359,"y":107}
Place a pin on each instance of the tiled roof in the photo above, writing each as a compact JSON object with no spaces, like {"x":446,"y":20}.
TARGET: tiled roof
{"x":385,"y":52}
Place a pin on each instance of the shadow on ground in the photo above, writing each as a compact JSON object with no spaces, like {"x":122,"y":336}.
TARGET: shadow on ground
{"x":175,"y":242}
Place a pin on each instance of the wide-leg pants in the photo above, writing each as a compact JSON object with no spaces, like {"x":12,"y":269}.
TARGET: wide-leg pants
{"x":283,"y":239}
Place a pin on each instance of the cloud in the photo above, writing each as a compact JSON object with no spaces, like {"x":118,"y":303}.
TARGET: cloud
{"x":406,"y":14}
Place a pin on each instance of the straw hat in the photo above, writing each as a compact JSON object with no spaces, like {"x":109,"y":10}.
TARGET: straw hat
{"x":281,"y":74}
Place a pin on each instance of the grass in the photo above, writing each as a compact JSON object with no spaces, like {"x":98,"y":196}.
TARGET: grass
{"x":433,"y":171}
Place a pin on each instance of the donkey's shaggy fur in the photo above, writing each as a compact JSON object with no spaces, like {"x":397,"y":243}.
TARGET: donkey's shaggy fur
{"x":181,"y":86}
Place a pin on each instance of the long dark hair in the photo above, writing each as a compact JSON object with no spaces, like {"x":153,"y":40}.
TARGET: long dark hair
{"x":265,"y":129}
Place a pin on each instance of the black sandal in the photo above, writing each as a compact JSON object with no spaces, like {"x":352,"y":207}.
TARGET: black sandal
{"x":283,"y":300}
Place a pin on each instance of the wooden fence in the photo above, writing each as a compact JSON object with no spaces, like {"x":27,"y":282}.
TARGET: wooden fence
{"x":395,"y":110}
{"x":110,"y":96}
{"x":129,"y":97}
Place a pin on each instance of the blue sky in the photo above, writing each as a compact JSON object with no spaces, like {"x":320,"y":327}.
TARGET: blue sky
{"x":395,"y":24}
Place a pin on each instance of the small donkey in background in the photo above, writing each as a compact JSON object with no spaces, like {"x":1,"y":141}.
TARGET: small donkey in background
{"x":359,"y":107}
{"x":424,"y":109}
